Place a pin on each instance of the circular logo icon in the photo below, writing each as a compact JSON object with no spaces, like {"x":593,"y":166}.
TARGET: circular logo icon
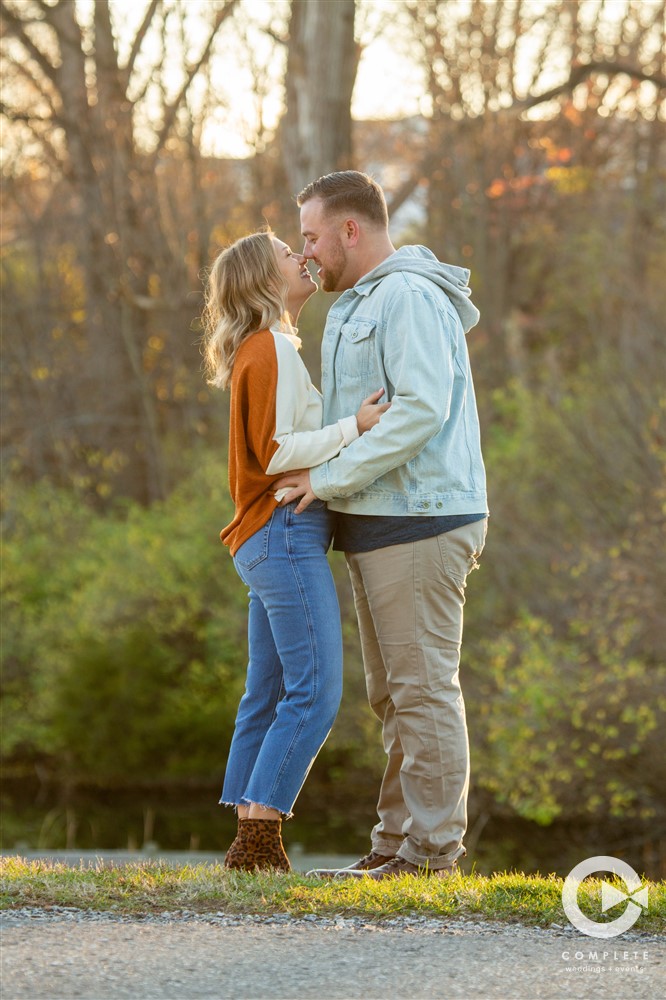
{"x":636,"y":897}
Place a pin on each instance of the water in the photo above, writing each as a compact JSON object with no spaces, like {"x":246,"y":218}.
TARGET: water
{"x":181,"y":821}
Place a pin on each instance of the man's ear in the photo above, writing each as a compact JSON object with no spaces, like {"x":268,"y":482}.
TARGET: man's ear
{"x":351,"y":232}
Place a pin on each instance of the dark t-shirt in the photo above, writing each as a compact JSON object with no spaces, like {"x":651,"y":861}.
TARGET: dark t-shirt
{"x":366,"y":532}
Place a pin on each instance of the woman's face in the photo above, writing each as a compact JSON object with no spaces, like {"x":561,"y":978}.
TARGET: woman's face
{"x":293,"y":267}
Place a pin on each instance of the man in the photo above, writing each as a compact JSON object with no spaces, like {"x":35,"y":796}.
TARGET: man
{"x":410,"y":497}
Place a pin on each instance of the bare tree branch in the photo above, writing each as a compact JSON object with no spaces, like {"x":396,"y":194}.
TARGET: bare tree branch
{"x":24,"y":116}
{"x":52,"y":120}
{"x":33,"y":125}
{"x":18,"y":30}
{"x":139,"y":37}
{"x":421,"y":171}
{"x":580,"y":73}
{"x":171,"y":110}
{"x":23,"y":71}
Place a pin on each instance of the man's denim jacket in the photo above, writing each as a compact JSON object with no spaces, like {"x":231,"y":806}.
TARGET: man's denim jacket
{"x":402,"y":327}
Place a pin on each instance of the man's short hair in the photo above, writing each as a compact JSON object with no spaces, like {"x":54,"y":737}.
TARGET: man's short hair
{"x":348,"y":191}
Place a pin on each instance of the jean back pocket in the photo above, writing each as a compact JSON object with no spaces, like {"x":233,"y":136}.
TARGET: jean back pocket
{"x":255,"y":549}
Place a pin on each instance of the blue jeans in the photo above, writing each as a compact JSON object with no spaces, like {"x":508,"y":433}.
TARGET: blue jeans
{"x":294,"y":674}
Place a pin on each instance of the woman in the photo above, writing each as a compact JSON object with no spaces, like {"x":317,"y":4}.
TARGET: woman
{"x":255,"y":291}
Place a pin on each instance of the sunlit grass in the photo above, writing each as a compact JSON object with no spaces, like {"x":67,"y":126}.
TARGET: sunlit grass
{"x":157,"y":887}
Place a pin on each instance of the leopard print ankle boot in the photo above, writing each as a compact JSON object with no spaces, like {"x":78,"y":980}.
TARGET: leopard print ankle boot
{"x":258,"y":844}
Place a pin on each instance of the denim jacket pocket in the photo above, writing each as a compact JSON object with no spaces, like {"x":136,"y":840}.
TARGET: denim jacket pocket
{"x":255,"y":549}
{"x":356,"y":348}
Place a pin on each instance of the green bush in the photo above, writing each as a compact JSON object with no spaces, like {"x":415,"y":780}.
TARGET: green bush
{"x":565,"y":633}
{"x":125,"y":642}
{"x":125,"y":634}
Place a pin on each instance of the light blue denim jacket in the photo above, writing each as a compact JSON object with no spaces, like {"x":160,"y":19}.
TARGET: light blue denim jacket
{"x":402,"y":327}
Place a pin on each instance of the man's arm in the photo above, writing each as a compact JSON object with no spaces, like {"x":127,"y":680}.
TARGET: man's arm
{"x":418,"y":359}
{"x":418,"y":356}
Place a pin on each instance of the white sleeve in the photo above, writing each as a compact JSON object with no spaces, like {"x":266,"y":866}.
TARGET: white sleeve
{"x":301,"y":449}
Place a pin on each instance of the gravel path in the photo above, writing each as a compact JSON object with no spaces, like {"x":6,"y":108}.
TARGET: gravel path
{"x":64,"y":953}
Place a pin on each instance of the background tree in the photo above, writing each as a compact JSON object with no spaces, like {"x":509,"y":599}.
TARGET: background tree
{"x":491,"y":165}
{"x":321,"y":69}
{"x":100,"y":130}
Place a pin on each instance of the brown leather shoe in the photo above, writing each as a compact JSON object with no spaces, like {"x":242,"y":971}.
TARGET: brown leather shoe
{"x":370,"y":861}
{"x":396,"y":867}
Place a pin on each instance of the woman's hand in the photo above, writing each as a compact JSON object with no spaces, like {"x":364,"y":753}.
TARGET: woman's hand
{"x":370,"y":411}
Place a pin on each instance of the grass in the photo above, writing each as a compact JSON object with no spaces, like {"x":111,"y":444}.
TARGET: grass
{"x":157,"y":887}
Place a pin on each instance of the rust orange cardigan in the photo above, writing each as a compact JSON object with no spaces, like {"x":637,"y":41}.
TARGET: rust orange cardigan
{"x":275,"y":426}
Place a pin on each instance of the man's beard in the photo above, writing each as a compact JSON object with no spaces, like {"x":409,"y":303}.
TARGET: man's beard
{"x":333,"y":271}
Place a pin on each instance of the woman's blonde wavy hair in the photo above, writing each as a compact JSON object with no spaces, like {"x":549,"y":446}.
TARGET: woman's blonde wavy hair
{"x":245,"y":292}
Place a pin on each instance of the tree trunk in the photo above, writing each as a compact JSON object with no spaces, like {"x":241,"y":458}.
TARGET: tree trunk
{"x":321,"y":69}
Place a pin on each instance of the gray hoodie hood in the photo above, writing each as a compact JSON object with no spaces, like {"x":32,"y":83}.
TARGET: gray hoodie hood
{"x":419,"y":260}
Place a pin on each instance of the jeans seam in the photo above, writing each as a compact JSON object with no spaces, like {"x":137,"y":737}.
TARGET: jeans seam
{"x":418,"y":588}
{"x":289,"y":526}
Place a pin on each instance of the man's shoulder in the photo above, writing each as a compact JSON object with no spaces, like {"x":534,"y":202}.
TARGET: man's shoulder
{"x":399,"y":281}
{"x":405,"y":290}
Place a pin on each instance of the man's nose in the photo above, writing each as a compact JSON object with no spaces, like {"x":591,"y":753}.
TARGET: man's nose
{"x":307,"y":252}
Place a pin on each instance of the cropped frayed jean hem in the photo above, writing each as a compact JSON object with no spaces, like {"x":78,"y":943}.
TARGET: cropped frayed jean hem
{"x":235,"y":806}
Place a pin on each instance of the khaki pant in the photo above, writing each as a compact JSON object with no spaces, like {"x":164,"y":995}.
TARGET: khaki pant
{"x":409,"y":602}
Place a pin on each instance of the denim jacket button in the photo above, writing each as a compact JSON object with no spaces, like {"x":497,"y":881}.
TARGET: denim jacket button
{"x":439,"y":505}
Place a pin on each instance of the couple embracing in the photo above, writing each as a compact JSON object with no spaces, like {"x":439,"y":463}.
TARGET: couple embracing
{"x":388,"y":466}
